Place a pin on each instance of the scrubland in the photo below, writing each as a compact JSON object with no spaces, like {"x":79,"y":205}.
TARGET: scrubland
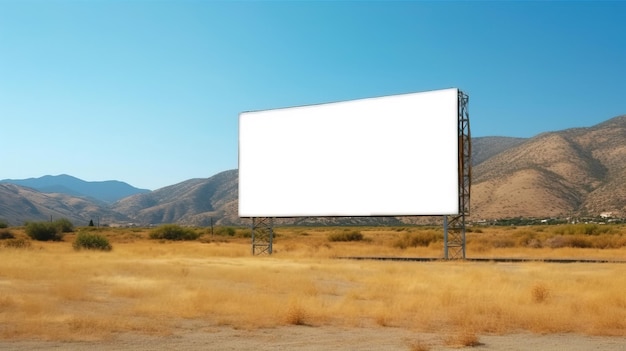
{"x":49,"y":291}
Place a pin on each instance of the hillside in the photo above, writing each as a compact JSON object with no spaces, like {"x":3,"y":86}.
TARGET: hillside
{"x":20,"y":204}
{"x":195,"y":201}
{"x":483,"y":148}
{"x":574,"y":172}
{"x":107,"y":191}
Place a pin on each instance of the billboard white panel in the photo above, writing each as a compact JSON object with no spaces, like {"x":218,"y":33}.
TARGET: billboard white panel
{"x":387,"y":156}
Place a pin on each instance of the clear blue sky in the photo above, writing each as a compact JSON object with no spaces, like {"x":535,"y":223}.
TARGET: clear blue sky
{"x":149,"y":92}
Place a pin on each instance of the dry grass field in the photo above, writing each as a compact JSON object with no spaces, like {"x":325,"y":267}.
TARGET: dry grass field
{"x":214,"y":290}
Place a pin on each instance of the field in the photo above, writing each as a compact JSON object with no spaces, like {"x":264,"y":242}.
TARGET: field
{"x":211,"y":293}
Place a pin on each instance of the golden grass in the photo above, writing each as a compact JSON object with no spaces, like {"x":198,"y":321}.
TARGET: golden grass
{"x":52,"y":292}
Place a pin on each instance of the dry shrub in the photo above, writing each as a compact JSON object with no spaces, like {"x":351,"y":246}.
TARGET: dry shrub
{"x":295,"y":314}
{"x":351,"y":235}
{"x":6,"y":234}
{"x":419,"y":346}
{"x":556,"y":242}
{"x":419,"y":239}
{"x":19,"y":243}
{"x":503,"y":242}
{"x":383,"y":319}
{"x":466,"y":338}
{"x":579,"y":241}
{"x":539,"y":293}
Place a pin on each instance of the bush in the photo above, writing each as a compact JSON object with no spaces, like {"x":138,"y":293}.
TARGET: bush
{"x":586,"y":229}
{"x":91,"y":241}
{"x":422,"y":238}
{"x":224,"y":231}
{"x":6,"y":234}
{"x":4,"y":224}
{"x":44,"y":231}
{"x":20,"y":243}
{"x":64,"y":225}
{"x":352,"y":235}
{"x":173,"y":232}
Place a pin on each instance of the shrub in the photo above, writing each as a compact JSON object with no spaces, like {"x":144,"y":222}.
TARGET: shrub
{"x":224,"y":231}
{"x":422,"y":238}
{"x":352,"y":235}
{"x":6,"y":234}
{"x":44,"y":231}
{"x":579,"y":241}
{"x":173,"y":232}
{"x":91,"y":241}
{"x":245,"y":233}
{"x":64,"y":225}
{"x":20,"y":243}
{"x":539,"y":293}
{"x":586,"y":229}
{"x":4,"y":224}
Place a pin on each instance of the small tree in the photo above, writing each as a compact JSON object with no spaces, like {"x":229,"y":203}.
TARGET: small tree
{"x":91,"y":222}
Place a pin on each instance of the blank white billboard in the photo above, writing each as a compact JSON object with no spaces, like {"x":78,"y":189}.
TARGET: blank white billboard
{"x":386,"y":156}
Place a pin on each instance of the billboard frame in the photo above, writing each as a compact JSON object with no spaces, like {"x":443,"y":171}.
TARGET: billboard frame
{"x":454,"y":225}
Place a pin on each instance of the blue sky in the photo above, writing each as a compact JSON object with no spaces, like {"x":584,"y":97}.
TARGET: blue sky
{"x":149,"y":92}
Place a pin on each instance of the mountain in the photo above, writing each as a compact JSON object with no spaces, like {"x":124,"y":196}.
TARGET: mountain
{"x":579,"y":171}
{"x":195,"y":201}
{"x":20,"y":204}
{"x":573,"y":172}
{"x":484,"y":148}
{"x":107,"y":191}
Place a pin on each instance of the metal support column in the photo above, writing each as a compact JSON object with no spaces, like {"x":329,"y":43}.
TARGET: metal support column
{"x":262,"y":231}
{"x":454,"y":226}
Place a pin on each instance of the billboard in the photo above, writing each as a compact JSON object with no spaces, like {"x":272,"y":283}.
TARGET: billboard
{"x":384,"y":156}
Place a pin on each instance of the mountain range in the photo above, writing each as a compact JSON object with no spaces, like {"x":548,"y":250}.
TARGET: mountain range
{"x":573,"y":172}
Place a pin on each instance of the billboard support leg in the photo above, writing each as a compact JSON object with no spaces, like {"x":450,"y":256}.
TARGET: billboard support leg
{"x":262,"y":232}
{"x":454,"y":226}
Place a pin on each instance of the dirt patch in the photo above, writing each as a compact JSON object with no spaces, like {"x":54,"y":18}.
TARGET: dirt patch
{"x":305,"y":338}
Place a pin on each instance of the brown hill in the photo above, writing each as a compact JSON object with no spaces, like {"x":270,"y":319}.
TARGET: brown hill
{"x":192,"y":202}
{"x":483,"y":148}
{"x":20,"y":204}
{"x":577,"y":172}
{"x":572,"y":172}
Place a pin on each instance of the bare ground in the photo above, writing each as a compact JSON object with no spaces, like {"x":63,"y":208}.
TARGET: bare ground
{"x":306,"y":338}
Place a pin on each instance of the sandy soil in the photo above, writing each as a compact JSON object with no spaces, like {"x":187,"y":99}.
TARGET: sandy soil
{"x":307,"y":338}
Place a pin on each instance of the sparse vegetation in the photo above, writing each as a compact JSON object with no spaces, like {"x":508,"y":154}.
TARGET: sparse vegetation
{"x":6,"y":234}
{"x":346,"y":235}
{"x":17,"y":243}
{"x":584,"y":229}
{"x":224,"y":231}
{"x":174,"y":232}
{"x":44,"y":231}
{"x":151,"y":288}
{"x":422,"y":238}
{"x":91,"y":241}
{"x":64,"y":225}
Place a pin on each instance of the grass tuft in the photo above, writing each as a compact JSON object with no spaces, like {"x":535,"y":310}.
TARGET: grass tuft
{"x":539,"y":293}
{"x":295,"y":314}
